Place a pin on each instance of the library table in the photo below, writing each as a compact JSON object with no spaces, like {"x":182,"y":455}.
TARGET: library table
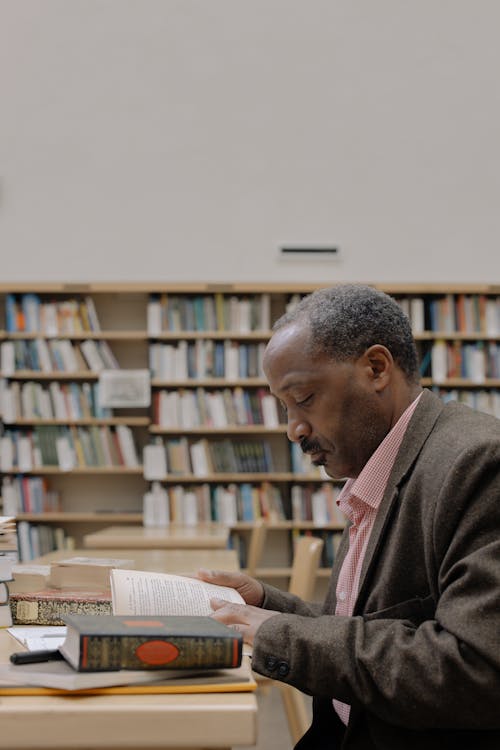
{"x":177,"y":561}
{"x":130,"y":722}
{"x":174,"y":536}
{"x":124,"y":722}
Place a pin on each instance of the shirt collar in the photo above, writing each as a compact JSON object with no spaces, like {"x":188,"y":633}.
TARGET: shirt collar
{"x":369,"y":486}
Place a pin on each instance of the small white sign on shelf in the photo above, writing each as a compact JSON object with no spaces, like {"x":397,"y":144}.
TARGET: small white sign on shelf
{"x":124,"y":388}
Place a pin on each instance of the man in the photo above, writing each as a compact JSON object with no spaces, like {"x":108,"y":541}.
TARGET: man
{"x":405,"y":651}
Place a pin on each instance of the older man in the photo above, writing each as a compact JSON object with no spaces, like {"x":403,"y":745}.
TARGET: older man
{"x":405,"y":651}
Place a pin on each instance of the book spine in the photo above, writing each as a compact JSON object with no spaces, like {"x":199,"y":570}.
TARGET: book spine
{"x":108,"y":652}
{"x":34,"y":611}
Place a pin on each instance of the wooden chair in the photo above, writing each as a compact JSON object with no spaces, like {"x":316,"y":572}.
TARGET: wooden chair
{"x":306,"y":560}
{"x":256,"y":546}
{"x":305,"y":565}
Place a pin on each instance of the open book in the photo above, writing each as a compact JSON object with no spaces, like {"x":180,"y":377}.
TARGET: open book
{"x":138,"y":592}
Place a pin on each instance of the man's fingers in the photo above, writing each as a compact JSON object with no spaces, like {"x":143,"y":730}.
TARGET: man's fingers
{"x":231,"y":610}
{"x":221,"y":577}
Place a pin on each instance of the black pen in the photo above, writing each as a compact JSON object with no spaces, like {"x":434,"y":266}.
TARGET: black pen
{"x":33,"y":657}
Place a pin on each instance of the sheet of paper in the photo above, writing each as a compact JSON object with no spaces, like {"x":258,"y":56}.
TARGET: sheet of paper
{"x":37,"y":638}
{"x":59,"y":674}
{"x":136,"y":592}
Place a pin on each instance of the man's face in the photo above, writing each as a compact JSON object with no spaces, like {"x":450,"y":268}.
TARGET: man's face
{"x":335,"y":410}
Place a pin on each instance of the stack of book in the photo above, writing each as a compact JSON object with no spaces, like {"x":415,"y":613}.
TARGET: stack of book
{"x":77,"y":585}
{"x":8,"y":556}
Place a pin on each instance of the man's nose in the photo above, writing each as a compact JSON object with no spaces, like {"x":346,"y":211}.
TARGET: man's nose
{"x":297,"y":428}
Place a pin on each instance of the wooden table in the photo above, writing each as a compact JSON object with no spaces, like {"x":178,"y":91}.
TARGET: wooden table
{"x":130,"y":722}
{"x":185,"y":561}
{"x":124,"y":722}
{"x":202,"y":536}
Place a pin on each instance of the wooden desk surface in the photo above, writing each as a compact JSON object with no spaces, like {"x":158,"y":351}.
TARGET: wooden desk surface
{"x":184,"y":561}
{"x":125,"y":722}
{"x":130,"y":722}
{"x":202,"y":536}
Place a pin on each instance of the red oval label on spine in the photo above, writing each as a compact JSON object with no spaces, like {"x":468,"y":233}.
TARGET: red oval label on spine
{"x":156,"y":653}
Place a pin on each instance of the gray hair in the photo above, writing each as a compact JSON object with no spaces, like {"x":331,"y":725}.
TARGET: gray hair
{"x":346,"y":320}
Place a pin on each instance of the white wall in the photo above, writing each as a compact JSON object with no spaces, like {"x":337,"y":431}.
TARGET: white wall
{"x":189,"y":139}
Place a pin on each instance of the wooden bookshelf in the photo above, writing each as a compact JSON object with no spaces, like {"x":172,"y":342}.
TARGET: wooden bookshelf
{"x":460,"y":317}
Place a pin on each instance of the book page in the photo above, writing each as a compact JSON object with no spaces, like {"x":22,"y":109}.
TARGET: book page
{"x":136,"y":592}
{"x":39,"y":638}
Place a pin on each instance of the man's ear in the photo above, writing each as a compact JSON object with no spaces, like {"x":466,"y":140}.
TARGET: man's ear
{"x":380,"y":365}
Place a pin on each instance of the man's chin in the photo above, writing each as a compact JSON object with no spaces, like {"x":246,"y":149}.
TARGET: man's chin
{"x":339,"y":475}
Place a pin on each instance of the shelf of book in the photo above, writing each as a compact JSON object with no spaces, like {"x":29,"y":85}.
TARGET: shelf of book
{"x":461,"y":383}
{"x":208,"y":335}
{"x":257,"y":429}
{"x":454,"y":335}
{"x":130,"y":421}
{"x":210,"y":383}
{"x":68,"y":517}
{"x":41,"y":470}
{"x":202,"y":344}
{"x":80,"y":335}
{"x":37,"y":375}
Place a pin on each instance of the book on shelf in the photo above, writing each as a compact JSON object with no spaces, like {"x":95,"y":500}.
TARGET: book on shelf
{"x":67,"y":447}
{"x":225,"y":504}
{"x":28,"y":495}
{"x":114,"y":642}
{"x":6,"y":452}
{"x":154,"y":459}
{"x":200,"y":458}
{"x":30,"y":314}
{"x":155,"y":507}
{"x":49,"y":606}
{"x":190,"y":506}
{"x":37,"y":539}
{"x":7,"y":358}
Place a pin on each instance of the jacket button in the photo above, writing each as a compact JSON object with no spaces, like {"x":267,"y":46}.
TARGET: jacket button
{"x":283,"y":668}
{"x":271,"y":663}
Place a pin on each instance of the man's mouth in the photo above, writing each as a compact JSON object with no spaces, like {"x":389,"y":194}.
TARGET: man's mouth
{"x":313,"y":449}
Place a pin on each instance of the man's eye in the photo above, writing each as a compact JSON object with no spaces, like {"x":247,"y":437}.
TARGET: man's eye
{"x":305,"y":401}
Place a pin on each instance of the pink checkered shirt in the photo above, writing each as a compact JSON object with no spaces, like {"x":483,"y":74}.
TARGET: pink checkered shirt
{"x":359,"y":501}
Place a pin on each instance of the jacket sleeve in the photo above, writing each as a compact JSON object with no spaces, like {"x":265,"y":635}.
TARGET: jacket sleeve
{"x":283,"y":602}
{"x":422,"y":663}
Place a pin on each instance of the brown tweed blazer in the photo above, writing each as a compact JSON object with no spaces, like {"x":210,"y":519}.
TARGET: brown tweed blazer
{"x":419,"y":660}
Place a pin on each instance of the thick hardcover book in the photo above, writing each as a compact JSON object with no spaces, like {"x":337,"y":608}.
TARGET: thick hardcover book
{"x":114,"y":642}
{"x":87,"y":573}
{"x":50,"y":606}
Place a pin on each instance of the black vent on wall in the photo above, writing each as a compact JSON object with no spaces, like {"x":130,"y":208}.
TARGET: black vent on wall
{"x":320,"y":252}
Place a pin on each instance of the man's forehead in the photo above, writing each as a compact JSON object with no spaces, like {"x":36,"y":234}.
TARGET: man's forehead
{"x":294,"y":337}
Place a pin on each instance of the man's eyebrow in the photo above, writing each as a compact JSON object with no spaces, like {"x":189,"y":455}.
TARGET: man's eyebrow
{"x":293,"y":384}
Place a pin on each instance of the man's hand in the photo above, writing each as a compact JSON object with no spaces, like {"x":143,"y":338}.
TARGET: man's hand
{"x":244,"y":618}
{"x":250,"y":589}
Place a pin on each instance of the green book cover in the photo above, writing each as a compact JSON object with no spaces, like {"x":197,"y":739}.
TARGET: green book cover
{"x":110,"y":642}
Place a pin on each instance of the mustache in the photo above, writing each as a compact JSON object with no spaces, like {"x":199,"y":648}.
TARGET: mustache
{"x":310,"y":446}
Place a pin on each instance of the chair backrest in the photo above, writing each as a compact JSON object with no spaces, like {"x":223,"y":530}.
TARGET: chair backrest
{"x":256,"y":546}
{"x":305,"y":565}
